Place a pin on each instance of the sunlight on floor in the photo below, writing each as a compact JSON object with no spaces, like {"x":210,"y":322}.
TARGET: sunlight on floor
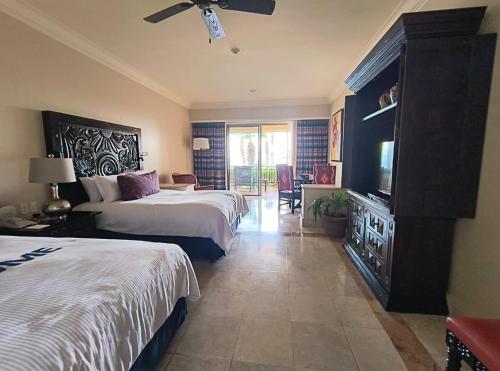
{"x":265,"y":216}
{"x":288,"y":299}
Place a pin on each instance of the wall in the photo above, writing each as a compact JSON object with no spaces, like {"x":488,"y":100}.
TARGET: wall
{"x":338,"y":104}
{"x":271,"y":113}
{"x":474,"y":287}
{"x":38,"y":73}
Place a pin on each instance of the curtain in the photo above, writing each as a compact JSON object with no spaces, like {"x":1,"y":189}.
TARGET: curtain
{"x":210,"y":165}
{"x":312,"y":144}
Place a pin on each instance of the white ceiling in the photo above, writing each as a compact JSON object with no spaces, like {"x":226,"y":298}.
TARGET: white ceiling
{"x":301,"y":53}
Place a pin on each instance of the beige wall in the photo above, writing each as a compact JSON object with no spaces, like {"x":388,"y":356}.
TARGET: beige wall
{"x":37,"y":73}
{"x":475,"y":269}
{"x":337,"y":104}
{"x":272,"y":113}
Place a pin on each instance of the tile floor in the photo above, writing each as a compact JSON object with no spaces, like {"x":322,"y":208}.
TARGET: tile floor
{"x":289,"y":299}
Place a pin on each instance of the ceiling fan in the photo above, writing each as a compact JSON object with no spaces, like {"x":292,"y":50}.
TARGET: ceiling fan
{"x":208,"y":14}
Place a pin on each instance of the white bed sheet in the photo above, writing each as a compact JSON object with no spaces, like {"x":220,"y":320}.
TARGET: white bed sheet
{"x":207,"y":214}
{"x":91,"y":305}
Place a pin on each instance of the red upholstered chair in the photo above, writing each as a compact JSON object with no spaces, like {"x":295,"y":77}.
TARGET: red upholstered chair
{"x":286,"y":187}
{"x":190,"y":179}
{"x":324,"y":174}
{"x":475,"y":341}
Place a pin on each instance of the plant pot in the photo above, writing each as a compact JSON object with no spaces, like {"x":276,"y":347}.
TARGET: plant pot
{"x":335,"y":227}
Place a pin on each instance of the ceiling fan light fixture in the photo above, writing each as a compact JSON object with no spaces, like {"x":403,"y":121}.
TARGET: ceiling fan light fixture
{"x":213,"y":24}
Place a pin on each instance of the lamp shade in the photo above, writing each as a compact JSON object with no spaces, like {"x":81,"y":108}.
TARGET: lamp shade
{"x":200,"y":144}
{"x":52,"y":170}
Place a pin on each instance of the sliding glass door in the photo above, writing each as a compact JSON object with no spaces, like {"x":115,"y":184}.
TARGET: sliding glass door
{"x":244,"y":159}
{"x":276,"y":149}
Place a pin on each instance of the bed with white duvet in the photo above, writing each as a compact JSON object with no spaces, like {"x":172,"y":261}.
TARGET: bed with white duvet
{"x":73,"y":304}
{"x":208,"y":214}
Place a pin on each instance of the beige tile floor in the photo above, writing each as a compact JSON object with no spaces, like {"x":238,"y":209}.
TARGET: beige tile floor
{"x":281,"y":301}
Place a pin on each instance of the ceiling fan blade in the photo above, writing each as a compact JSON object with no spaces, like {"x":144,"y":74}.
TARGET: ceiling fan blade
{"x":168,"y":12}
{"x":250,"y":6}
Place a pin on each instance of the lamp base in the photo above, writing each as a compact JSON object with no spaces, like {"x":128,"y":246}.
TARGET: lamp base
{"x":56,"y":208}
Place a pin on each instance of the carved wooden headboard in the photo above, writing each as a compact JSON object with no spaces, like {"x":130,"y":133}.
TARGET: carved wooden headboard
{"x":96,"y":147}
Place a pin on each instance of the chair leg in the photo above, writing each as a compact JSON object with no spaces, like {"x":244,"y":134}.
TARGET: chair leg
{"x":454,"y":362}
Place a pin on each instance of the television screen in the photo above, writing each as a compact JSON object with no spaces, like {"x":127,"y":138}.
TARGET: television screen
{"x":385,"y":167}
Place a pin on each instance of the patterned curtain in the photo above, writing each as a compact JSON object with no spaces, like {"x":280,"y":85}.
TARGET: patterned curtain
{"x":210,"y":165}
{"x":312,"y":144}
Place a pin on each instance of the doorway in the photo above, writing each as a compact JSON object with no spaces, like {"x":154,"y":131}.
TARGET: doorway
{"x":254,"y":152}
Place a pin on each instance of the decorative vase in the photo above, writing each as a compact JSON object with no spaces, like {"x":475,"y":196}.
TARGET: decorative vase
{"x":384,"y":100}
{"x":335,"y":227}
{"x":394,"y":93}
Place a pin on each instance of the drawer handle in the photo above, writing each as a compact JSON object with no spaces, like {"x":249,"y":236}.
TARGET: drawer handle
{"x":374,"y":243}
{"x":378,"y":225}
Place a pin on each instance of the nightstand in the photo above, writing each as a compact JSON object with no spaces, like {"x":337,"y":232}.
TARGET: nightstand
{"x":177,"y":186}
{"x":79,"y":224}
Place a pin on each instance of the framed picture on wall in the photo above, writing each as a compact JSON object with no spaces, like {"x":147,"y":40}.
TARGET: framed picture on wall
{"x":337,"y":135}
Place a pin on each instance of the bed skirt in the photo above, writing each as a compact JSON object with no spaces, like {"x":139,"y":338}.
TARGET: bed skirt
{"x":153,"y":353}
{"x":197,"y":248}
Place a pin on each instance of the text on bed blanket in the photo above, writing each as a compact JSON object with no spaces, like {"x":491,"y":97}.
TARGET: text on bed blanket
{"x":27,"y":257}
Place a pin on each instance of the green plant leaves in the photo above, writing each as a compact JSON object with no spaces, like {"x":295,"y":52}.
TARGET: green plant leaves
{"x":335,"y":205}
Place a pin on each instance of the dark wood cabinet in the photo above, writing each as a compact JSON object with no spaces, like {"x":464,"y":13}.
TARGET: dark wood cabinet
{"x":402,"y":209}
{"x":78,"y":224}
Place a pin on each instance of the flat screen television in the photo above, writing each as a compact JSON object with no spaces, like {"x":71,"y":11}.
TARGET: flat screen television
{"x":385,"y":167}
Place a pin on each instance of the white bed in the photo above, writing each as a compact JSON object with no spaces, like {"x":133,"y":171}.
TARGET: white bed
{"x":208,"y":214}
{"x":86,"y":304}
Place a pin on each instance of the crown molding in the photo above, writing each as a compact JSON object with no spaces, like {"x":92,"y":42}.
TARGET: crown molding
{"x":50,"y":27}
{"x":261,"y":103}
{"x":404,"y":6}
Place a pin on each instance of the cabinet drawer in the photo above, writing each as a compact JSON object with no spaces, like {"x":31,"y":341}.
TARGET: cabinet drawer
{"x":355,"y":208}
{"x":377,"y":223}
{"x":356,"y":242}
{"x":376,"y":244}
{"x":356,"y":224}
{"x":376,"y":266}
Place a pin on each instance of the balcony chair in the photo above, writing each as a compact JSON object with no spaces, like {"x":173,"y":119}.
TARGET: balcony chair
{"x":191,"y":179}
{"x":243,"y":176}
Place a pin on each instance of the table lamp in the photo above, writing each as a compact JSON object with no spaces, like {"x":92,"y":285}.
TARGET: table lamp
{"x":53,"y":170}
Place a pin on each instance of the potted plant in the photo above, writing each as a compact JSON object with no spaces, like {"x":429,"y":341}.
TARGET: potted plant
{"x":333,"y":212}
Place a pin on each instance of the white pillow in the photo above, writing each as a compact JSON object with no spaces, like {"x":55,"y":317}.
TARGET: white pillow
{"x":90,"y":186}
{"x":108,"y":187}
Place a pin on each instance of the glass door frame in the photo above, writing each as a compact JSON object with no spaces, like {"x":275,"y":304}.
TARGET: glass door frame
{"x":259,"y":153}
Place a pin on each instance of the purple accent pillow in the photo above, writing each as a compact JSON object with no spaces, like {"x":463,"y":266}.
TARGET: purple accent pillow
{"x":134,"y":187}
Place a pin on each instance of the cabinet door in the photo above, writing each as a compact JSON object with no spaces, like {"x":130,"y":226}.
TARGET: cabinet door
{"x":388,"y":253}
{"x":438,"y":135}
{"x":355,"y":226}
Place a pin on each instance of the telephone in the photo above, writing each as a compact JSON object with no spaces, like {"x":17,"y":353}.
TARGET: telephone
{"x":9,"y":219}
{"x":16,"y":223}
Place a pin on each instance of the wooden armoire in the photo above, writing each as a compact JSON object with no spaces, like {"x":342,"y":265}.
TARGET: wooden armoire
{"x":413,"y":167}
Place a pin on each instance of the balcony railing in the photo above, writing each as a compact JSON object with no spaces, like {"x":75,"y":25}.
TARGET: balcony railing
{"x":247,"y":178}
